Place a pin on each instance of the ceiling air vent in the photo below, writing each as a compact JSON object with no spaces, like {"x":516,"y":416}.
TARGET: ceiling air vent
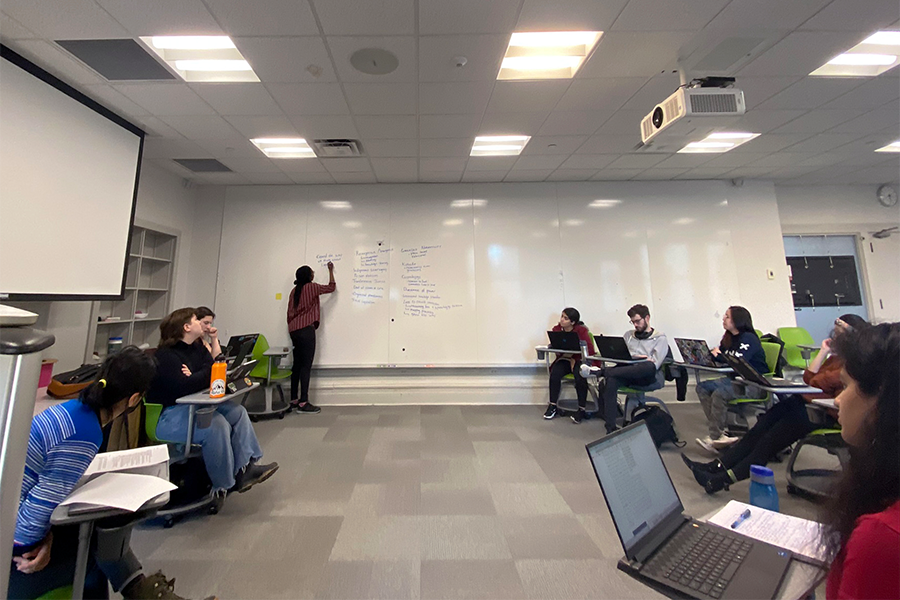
{"x":202,"y":165}
{"x":337,"y":148}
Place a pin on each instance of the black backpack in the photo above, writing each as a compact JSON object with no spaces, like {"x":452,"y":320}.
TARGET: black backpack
{"x":659,"y":422}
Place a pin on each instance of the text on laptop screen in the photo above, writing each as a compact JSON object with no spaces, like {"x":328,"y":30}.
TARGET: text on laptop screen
{"x":635,"y":482}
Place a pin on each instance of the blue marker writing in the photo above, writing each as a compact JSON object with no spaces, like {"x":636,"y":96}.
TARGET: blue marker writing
{"x":743,"y":517}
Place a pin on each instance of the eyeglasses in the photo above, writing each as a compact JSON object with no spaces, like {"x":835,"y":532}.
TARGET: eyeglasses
{"x":636,"y":321}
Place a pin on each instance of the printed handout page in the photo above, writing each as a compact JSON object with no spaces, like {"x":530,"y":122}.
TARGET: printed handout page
{"x":127,"y":491}
{"x":138,"y":460}
{"x":800,"y":536}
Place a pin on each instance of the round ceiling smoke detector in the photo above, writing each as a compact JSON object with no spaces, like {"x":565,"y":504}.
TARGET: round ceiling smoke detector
{"x":374,"y":61}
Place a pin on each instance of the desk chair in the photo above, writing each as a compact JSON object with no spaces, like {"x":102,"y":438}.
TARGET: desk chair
{"x":636,"y":396}
{"x":792,"y":336}
{"x":817,"y":483}
{"x":271,"y":375}
{"x":736,"y":419}
{"x":571,"y":404}
{"x":60,"y":593}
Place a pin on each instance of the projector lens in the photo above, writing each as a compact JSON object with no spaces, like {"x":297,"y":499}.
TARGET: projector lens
{"x":657,"y":117}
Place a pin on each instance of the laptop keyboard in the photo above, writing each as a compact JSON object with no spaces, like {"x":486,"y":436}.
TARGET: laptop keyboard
{"x":701,"y":559}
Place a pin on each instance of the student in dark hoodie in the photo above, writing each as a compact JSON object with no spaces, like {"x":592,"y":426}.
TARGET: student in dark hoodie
{"x":565,"y":364}
{"x":740,"y":340}
{"x":230,"y":449}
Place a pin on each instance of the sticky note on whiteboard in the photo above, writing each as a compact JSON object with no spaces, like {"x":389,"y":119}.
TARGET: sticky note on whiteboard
{"x":278,"y":296}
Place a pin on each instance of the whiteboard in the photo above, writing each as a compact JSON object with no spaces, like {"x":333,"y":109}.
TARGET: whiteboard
{"x":474,"y":274}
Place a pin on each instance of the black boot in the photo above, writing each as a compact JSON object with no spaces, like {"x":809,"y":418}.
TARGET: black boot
{"x":714,"y":466}
{"x":712,"y":482}
{"x":252,"y":474}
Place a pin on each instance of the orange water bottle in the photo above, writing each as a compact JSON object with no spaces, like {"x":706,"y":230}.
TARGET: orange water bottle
{"x":217,"y":380}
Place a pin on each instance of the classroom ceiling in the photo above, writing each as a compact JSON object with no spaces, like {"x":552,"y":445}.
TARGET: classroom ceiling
{"x":418,"y":122}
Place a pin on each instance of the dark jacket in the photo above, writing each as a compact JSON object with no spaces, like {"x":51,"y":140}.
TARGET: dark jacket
{"x":746,"y":344}
{"x":170,"y":383}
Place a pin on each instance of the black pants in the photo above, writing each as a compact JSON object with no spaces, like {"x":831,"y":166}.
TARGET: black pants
{"x":681,"y":381}
{"x":560,"y":369}
{"x":775,"y":430}
{"x":642,"y":373}
{"x":304,"y":341}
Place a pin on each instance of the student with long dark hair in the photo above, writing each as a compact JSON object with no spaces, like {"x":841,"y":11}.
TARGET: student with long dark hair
{"x":863,"y":515}
{"x":565,"y":364}
{"x":210,"y":338}
{"x":739,"y":340}
{"x":63,"y":441}
{"x":303,"y":320}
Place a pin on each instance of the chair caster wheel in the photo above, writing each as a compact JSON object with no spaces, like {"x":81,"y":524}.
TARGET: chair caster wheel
{"x":281,"y":415}
{"x":213,"y":510}
{"x":168,"y":522}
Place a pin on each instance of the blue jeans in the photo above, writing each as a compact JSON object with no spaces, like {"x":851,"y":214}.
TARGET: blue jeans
{"x":227,"y":444}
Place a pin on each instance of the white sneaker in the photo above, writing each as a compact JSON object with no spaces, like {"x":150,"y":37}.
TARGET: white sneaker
{"x":724,"y":441}
{"x":707,"y":444}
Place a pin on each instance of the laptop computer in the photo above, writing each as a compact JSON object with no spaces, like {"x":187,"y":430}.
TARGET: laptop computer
{"x":695,"y":352}
{"x":238,"y":378}
{"x":245,"y":349}
{"x":612,"y":347}
{"x":666,"y":548}
{"x":564,"y":340}
{"x":746,"y":370}
{"x":236,"y":342}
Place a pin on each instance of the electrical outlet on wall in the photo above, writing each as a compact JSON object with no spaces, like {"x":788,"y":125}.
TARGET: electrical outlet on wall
{"x":770,"y":273}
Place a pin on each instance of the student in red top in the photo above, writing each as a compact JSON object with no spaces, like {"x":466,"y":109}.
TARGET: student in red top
{"x":569,"y":320}
{"x":863,"y":516}
{"x":303,"y":320}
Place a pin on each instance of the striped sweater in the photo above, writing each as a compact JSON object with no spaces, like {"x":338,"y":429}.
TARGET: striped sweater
{"x":64,"y":440}
{"x":306,"y":312}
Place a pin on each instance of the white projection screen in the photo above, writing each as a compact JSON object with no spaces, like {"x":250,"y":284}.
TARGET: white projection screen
{"x":68,"y":185}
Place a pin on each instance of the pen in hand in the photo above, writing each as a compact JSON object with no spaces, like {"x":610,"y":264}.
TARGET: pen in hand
{"x":743,"y":517}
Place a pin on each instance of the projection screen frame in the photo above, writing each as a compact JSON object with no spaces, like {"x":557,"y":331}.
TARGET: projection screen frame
{"x":29,"y":67}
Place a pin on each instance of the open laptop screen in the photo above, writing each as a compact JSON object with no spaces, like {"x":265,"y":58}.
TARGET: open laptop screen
{"x":635,"y":482}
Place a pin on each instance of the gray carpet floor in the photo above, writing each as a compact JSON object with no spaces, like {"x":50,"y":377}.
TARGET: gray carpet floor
{"x":430,"y":502}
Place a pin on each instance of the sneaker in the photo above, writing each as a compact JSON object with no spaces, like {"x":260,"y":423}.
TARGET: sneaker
{"x":714,"y":466}
{"x":724,"y":441}
{"x":154,"y":586}
{"x":252,"y":474}
{"x":309,"y":407}
{"x":712,"y":482}
{"x":550,"y":412}
{"x":577,"y":416}
{"x":707,"y":444}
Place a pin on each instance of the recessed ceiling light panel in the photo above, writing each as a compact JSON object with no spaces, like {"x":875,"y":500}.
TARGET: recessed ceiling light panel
{"x":873,"y":56}
{"x":547,"y":55}
{"x":284,"y":147}
{"x":499,"y":145}
{"x":892,"y":147}
{"x":198,"y":58}
{"x":721,"y":141}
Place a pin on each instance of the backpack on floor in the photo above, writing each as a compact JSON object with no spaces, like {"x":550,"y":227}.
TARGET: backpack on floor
{"x":660,"y":423}
{"x":69,"y":384}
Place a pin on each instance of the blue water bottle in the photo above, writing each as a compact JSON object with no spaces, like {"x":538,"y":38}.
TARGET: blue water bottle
{"x":762,"y":488}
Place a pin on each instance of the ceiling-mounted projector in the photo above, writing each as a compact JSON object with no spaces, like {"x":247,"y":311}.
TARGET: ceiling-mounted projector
{"x":688,"y":113}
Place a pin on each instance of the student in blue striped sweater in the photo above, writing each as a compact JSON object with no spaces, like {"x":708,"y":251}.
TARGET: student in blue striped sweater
{"x":64,"y":440}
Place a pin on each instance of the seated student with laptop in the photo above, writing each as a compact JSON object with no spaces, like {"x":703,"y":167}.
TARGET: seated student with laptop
{"x":740,"y":340}
{"x":783,"y":424}
{"x":230,"y":449}
{"x":565,"y":364}
{"x":644,"y":343}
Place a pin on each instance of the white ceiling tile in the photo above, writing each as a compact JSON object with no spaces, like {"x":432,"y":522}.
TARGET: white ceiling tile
{"x":203,"y":126}
{"x":572,"y":174}
{"x":589,"y":161}
{"x":310,"y":98}
{"x":872,"y":122}
{"x":300,"y":165}
{"x":512,"y":123}
{"x":637,"y":161}
{"x":166,"y":148}
{"x":167,"y":164}
{"x":403,"y":47}
{"x":440,"y":176}
{"x":391,"y":148}
{"x":223,"y":178}
{"x":575,"y":123}
{"x":460,"y":98}
{"x":749,"y":172}
{"x":395,"y":169}
{"x":238,"y":148}
{"x":490,"y":163}
{"x":533,"y":175}
{"x":73,"y":19}
{"x":821,"y":160}
{"x":483,"y":54}
{"x":443,"y":164}
{"x":371,"y":17}
{"x":653,"y":92}
{"x":871,"y":94}
{"x":616,"y":174}
{"x":868,"y":144}
{"x":703,"y":173}
{"x":483,"y":176}
{"x":811,"y":92}
{"x":240,"y":17}
{"x":381,"y":98}
{"x":554,"y":144}
{"x":446,"y":147}
{"x":154,"y":127}
{"x":386,"y":127}
{"x":325,"y":127}
{"x":343,"y":165}
{"x":55,"y":61}
{"x":113,"y":100}
{"x":250,"y":99}
{"x":269,"y":178}
{"x":687,"y":15}
{"x":824,"y":142}
{"x":759,"y":89}
{"x":600,"y":94}
{"x":258,"y":164}
{"x":467,"y":16}
{"x":656,"y":174}
{"x":816,"y":121}
{"x":781,"y":159}
{"x":355,"y":177}
{"x":799,"y":54}
{"x":684,"y":161}
{"x":538,"y":162}
{"x":732,"y":160}
{"x":165,"y":99}
{"x":526,"y":96}
{"x":770,"y":142}
{"x":609,"y":144}
{"x":632,"y":54}
{"x":765,"y":14}
{"x":254,"y":127}
{"x":448,"y":126}
{"x":764,"y":121}
{"x":287,"y":59}
{"x":163,"y":17}
{"x":312,"y":178}
{"x":854,"y":15}
{"x":623,"y":122}
{"x":572,"y":15}
{"x":10,"y":29}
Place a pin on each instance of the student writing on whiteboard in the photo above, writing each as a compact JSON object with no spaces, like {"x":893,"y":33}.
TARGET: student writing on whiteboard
{"x":210,"y":339}
{"x":565,"y":364}
{"x":303,"y":320}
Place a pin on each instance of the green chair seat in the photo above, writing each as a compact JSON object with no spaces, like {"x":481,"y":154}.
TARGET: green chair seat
{"x":792,"y":337}
{"x":60,"y":593}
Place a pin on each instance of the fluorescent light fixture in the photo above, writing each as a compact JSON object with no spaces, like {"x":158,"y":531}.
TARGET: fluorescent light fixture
{"x":467,"y":203}
{"x":352,"y":224}
{"x":604,"y":203}
{"x":547,"y":54}
{"x":872,"y":56}
{"x":721,"y":141}
{"x":499,"y":145}
{"x":284,"y":147}
{"x":335,"y":205}
{"x":683,"y":221}
{"x":453,"y":222}
{"x":892,"y":147}
{"x":573,"y":222}
{"x":202,"y":58}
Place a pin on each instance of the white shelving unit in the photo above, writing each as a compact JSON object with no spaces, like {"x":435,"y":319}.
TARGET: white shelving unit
{"x":148,"y":289}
